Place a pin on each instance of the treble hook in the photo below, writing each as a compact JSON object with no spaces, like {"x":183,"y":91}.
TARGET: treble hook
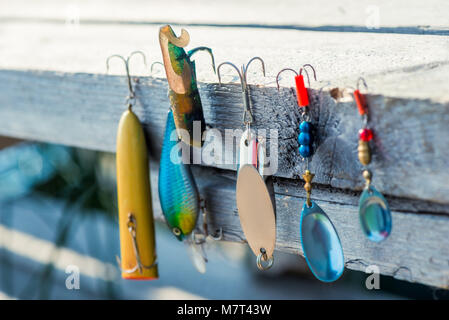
{"x":132,"y":94}
{"x":132,"y":228}
{"x":247,"y":115}
{"x":303,"y":68}
{"x":205,"y":225}
{"x":200,"y":238}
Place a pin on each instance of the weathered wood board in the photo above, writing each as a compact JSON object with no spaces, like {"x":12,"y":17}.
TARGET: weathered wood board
{"x":83,"y":110}
{"x":395,"y":65}
{"x":416,"y":251}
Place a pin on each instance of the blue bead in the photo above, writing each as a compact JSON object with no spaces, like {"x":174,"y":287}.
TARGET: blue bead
{"x":305,"y":126}
{"x":304,"y":138}
{"x":305,"y":151}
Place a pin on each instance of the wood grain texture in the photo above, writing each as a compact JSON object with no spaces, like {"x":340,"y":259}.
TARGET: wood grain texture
{"x":395,"y":65}
{"x":409,"y":149}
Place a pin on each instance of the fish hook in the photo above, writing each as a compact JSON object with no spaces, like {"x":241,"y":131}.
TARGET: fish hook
{"x":132,"y":228}
{"x":155,"y":63}
{"x":279,"y":73}
{"x":206,"y":233}
{"x":362,"y":100}
{"x":208,"y":50}
{"x":132,"y":96}
{"x":247,"y":115}
{"x":361,"y":79}
{"x":305,"y":70}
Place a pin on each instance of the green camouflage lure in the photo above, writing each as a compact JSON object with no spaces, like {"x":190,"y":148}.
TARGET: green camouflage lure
{"x":183,"y":91}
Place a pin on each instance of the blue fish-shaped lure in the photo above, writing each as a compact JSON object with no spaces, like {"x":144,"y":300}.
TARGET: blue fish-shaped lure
{"x":178,"y":192}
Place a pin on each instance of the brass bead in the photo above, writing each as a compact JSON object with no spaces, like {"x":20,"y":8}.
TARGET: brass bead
{"x":308,"y":176}
{"x":367,"y":174}
{"x":364,"y":152}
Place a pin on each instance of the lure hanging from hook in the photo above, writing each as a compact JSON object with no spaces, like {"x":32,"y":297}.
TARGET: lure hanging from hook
{"x":302,"y":95}
{"x":178,"y":193}
{"x":249,"y":149}
{"x":136,"y":223}
{"x":374,"y":213}
{"x":254,"y":192}
{"x":179,"y":196}
{"x":183,"y":91}
{"x":305,"y":138}
{"x":319,"y":238}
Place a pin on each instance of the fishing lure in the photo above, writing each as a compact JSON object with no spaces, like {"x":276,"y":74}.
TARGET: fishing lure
{"x":136,"y":223}
{"x":374,"y":213}
{"x":183,"y":91}
{"x":179,"y":197}
{"x":319,"y":239}
{"x":178,"y":192}
{"x":254,"y":191}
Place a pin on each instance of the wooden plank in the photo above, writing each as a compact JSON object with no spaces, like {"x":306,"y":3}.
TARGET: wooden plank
{"x":83,"y":110}
{"x":342,"y":15}
{"x":416,"y":251}
{"x":402,"y":66}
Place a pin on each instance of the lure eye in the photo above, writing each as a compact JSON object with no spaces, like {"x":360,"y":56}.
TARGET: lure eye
{"x":176,"y":231}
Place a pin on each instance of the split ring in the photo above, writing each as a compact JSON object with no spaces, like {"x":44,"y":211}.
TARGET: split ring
{"x":269,"y":261}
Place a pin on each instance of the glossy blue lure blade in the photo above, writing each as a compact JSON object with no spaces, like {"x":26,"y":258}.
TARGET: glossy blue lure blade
{"x":375,"y":216}
{"x":321,"y":244}
{"x":178,"y":192}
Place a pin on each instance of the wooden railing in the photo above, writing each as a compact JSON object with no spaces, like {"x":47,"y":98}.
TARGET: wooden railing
{"x":53,"y":88}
